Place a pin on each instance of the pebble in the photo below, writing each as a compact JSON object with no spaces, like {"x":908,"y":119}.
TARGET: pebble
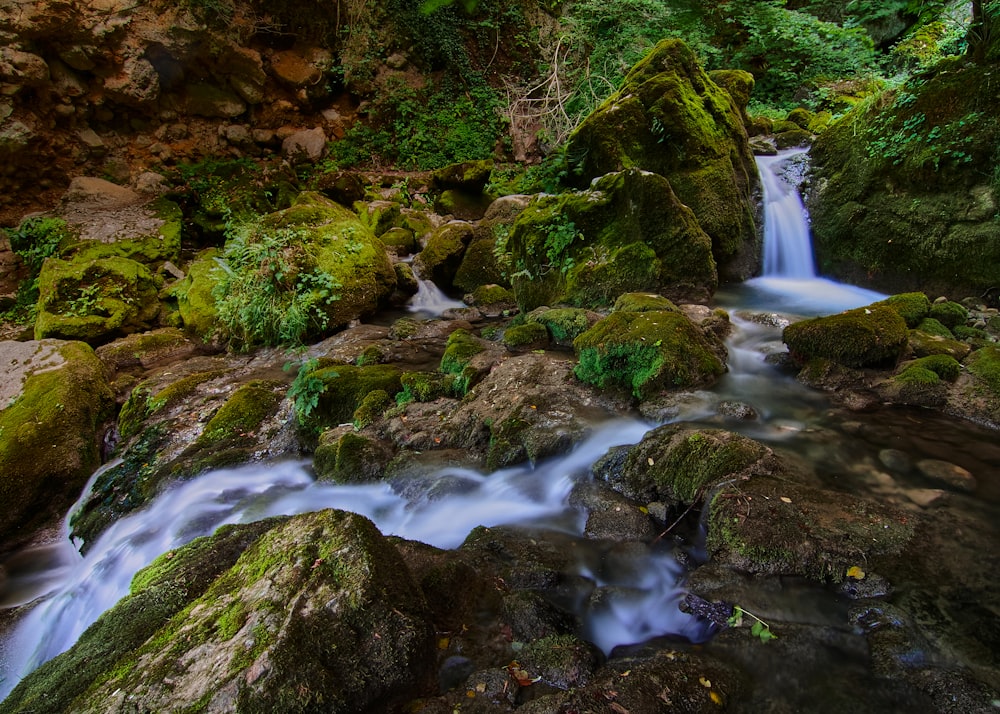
{"x":895,"y":460}
{"x":948,"y":474}
{"x":927,"y":497}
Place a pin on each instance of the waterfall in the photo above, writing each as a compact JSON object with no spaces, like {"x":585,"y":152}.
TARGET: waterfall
{"x":431,"y":300}
{"x":789,"y":283}
{"x":787,"y":243}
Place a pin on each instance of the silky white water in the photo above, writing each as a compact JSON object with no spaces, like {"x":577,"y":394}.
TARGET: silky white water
{"x":430,"y":300}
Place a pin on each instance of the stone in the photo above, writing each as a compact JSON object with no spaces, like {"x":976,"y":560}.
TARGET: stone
{"x":950,"y":474}
{"x":135,"y":84}
{"x":306,"y":146}
{"x":301,"y":67}
{"x":209,"y":100}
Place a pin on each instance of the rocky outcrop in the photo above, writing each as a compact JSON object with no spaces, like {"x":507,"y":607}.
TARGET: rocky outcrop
{"x":671,"y":119}
{"x":896,"y":200}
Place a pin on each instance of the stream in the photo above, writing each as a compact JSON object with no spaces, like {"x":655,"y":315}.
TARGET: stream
{"x":850,"y":452}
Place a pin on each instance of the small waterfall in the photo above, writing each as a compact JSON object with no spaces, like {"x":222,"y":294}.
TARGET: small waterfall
{"x":787,"y":243}
{"x":789,"y":283}
{"x":431,"y":300}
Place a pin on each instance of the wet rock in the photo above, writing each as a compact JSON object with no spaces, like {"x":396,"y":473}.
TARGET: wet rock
{"x":55,"y":399}
{"x":147,"y":350}
{"x":866,"y":337}
{"x":947,"y":473}
{"x":738,"y":411}
{"x":926,"y":497}
{"x":442,"y":256}
{"x":872,"y":585}
{"x":767,"y":525}
{"x":611,"y":516}
{"x":355,"y":609}
{"x":561,"y":661}
{"x":895,"y":460}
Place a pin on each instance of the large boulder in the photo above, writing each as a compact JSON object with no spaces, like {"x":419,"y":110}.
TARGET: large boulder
{"x":870,"y":336}
{"x":627,"y":232}
{"x":319,"y":612}
{"x":671,"y":119}
{"x":55,"y":398}
{"x":896,"y":199}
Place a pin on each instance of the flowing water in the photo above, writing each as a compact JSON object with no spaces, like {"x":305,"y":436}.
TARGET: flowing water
{"x":848,"y":450}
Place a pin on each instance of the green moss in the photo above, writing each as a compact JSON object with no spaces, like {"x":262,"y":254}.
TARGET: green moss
{"x":151,"y":250}
{"x":441,"y":257}
{"x":195,"y":300}
{"x":461,"y":347}
{"x":400,"y":238}
{"x":865,"y":337}
{"x":371,"y":408}
{"x":912,"y":307}
{"x":526,"y":336}
{"x":95,"y":300}
{"x":564,"y":324}
{"x":142,"y":403}
{"x":971,"y":334}
{"x":479,"y":267}
{"x":644,"y":352}
{"x":643,"y":302}
{"x":49,"y":438}
{"x":425,"y":386}
{"x":679,"y":464}
{"x":950,"y":314}
{"x":241,"y":416}
{"x":346,"y":388}
{"x":350,"y":458}
{"x":985,"y":365}
{"x":944,"y":366}
{"x":372,"y":354}
{"x":924,"y":344}
{"x":931,"y":326}
{"x":492,"y":295}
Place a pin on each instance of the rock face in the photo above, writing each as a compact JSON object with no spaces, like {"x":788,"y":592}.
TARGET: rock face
{"x":902,"y":169}
{"x":627,"y":232}
{"x":55,"y":400}
{"x":671,"y":119}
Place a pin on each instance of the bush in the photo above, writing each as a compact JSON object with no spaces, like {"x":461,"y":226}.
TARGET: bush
{"x":269,"y":290}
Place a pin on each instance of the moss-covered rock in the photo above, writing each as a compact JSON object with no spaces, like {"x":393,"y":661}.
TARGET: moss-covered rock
{"x":441,"y":258}
{"x":146,"y":350}
{"x":771,"y":526}
{"x":950,"y":314}
{"x":344,"y":456}
{"x":468,"y":176}
{"x":643,"y":302}
{"x":372,"y":407}
{"x":934,"y":328}
{"x":738,"y":83}
{"x":459,"y":360}
{"x":401,"y":240}
{"x":151,"y":242}
{"x":645,"y":352}
{"x":680,"y":464}
{"x":479,"y":267}
{"x":564,"y":324}
{"x":195,"y":301}
{"x":159,"y":592}
{"x":237,"y":420}
{"x":866,"y":337}
{"x":345,"y":387}
{"x":894,"y":202}
{"x":426,"y":386}
{"x":95,"y":300}
{"x":924,"y":344}
{"x":356,"y":637}
{"x":529,"y":336}
{"x":462,"y":205}
{"x":671,"y":119}
{"x":55,"y":399}
{"x":628,"y":232}
{"x":984,"y":366}
{"x":912,"y":307}
{"x":793,"y":139}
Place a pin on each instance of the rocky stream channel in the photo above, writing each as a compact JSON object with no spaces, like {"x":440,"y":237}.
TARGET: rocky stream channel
{"x":753,"y":545}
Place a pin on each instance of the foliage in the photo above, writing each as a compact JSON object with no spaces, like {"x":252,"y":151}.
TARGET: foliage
{"x":34,"y":240}
{"x":306,"y":389}
{"x":759,"y":628}
{"x":269,"y":289}
{"x":424,"y":129}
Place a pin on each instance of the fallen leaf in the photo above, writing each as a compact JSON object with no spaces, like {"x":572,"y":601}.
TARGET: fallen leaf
{"x":855,"y":572}
{"x":618,"y":708}
{"x":443,"y":643}
{"x":650,"y":461}
{"x":705,"y":682}
{"x":786,"y":499}
{"x":715,"y":697}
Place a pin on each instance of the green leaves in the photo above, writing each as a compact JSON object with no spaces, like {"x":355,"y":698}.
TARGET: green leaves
{"x":759,"y":629}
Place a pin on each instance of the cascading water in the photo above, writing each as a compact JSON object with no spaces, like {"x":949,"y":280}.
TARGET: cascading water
{"x":789,"y":283}
{"x":430,"y":300}
{"x":440,"y":510}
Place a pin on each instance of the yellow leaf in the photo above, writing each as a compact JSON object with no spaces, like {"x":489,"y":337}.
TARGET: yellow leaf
{"x":786,"y":499}
{"x":705,"y":682}
{"x":443,"y":643}
{"x":715,"y":697}
{"x":650,"y":461}
{"x":856,"y":573}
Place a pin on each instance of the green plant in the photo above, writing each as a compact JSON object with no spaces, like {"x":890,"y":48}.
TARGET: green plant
{"x":306,"y":389}
{"x":560,"y":232}
{"x":85,"y":303}
{"x":38,"y":238}
{"x":270,"y":289}
{"x":759,"y":629}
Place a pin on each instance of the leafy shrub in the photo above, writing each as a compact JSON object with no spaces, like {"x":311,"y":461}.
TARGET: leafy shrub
{"x":269,"y":289}
{"x":38,"y":238}
{"x":306,"y":390}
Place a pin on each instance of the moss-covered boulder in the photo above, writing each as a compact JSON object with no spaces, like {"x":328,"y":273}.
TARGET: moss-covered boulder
{"x":628,"y":232}
{"x":344,"y":387}
{"x":529,"y":336}
{"x":460,"y":359}
{"x":680,"y":465}
{"x":344,"y":248}
{"x":912,"y":307}
{"x":441,"y":258}
{"x":980,"y":398}
{"x":55,"y":399}
{"x":645,"y":352}
{"x":95,"y":300}
{"x":896,"y":199}
{"x":924,"y":344}
{"x":319,"y":612}
{"x":467,"y":176}
{"x":193,"y":294}
{"x":671,"y":119}
{"x":865,"y":337}
{"x":771,"y":526}
{"x":149,"y":234}
{"x":479,"y":267}
{"x":564,"y":324}
{"x":344,"y":456}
